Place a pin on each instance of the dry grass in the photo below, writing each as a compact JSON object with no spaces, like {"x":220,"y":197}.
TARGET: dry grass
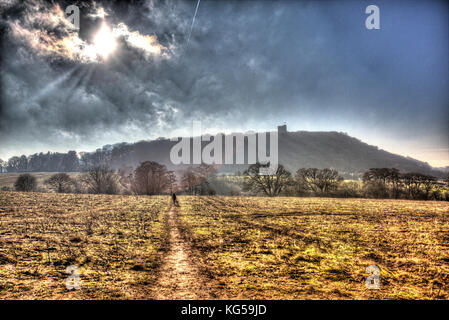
{"x":319,"y":248}
{"x":248,"y":248}
{"x":116,"y":241}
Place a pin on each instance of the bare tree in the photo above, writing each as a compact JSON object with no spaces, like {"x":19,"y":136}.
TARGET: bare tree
{"x":126,"y":179}
{"x":151,"y":178}
{"x":60,"y":182}
{"x":194,"y":180}
{"x":395,"y":182}
{"x":100,"y":179}
{"x":270,"y":185}
{"x":189,"y":180}
{"x":3,"y":164}
{"x":418,"y":185}
{"x":380,"y":182}
{"x":25,"y":182}
{"x":428,"y":182}
{"x":204,"y":173}
{"x":205,"y":170}
{"x":320,"y":181}
{"x":171,"y":181}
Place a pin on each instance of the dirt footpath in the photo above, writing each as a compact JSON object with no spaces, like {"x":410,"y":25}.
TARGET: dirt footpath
{"x":179,"y":277}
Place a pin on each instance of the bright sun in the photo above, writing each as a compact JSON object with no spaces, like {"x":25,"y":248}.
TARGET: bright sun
{"x":104,"y":41}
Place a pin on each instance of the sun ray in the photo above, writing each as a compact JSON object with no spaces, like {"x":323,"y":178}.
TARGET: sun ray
{"x":52,"y":85}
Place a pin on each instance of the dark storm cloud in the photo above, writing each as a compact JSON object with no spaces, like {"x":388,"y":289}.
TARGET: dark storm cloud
{"x":246,"y":62}
{"x":52,"y":97}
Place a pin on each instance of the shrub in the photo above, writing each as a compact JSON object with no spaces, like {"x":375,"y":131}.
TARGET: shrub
{"x":60,"y":182}
{"x":25,"y":182}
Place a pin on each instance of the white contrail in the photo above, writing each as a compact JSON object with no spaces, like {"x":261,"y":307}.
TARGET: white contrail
{"x":193,"y":21}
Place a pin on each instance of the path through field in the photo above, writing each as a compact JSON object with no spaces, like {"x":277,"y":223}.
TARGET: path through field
{"x":179,"y":277}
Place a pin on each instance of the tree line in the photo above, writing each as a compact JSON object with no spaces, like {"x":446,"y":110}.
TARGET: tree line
{"x":65,"y":162}
{"x":152,"y":178}
{"x":58,"y":162}
{"x":149,"y":178}
{"x":390,"y":183}
{"x":376,"y":183}
{"x":42,"y":162}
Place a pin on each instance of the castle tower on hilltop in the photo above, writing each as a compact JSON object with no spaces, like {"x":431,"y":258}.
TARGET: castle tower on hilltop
{"x":282,"y":129}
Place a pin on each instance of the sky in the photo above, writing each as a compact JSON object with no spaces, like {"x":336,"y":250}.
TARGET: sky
{"x":132,"y":72}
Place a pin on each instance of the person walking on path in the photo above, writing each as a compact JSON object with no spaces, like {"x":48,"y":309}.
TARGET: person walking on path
{"x":173,"y":197}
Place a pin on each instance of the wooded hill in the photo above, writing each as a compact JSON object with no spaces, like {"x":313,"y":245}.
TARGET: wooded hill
{"x":301,"y":149}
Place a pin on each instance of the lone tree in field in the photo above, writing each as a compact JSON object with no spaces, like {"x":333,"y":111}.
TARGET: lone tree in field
{"x":320,"y":181}
{"x":270,"y":185}
{"x":25,"y":182}
{"x":151,"y":178}
{"x":100,"y":179}
{"x":60,"y":182}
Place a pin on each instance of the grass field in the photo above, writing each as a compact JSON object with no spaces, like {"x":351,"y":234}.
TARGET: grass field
{"x":116,"y":241}
{"x":130,"y":247}
{"x":318,"y":248}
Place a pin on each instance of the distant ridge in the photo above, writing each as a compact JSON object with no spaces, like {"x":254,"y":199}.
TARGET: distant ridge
{"x":300,"y":149}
